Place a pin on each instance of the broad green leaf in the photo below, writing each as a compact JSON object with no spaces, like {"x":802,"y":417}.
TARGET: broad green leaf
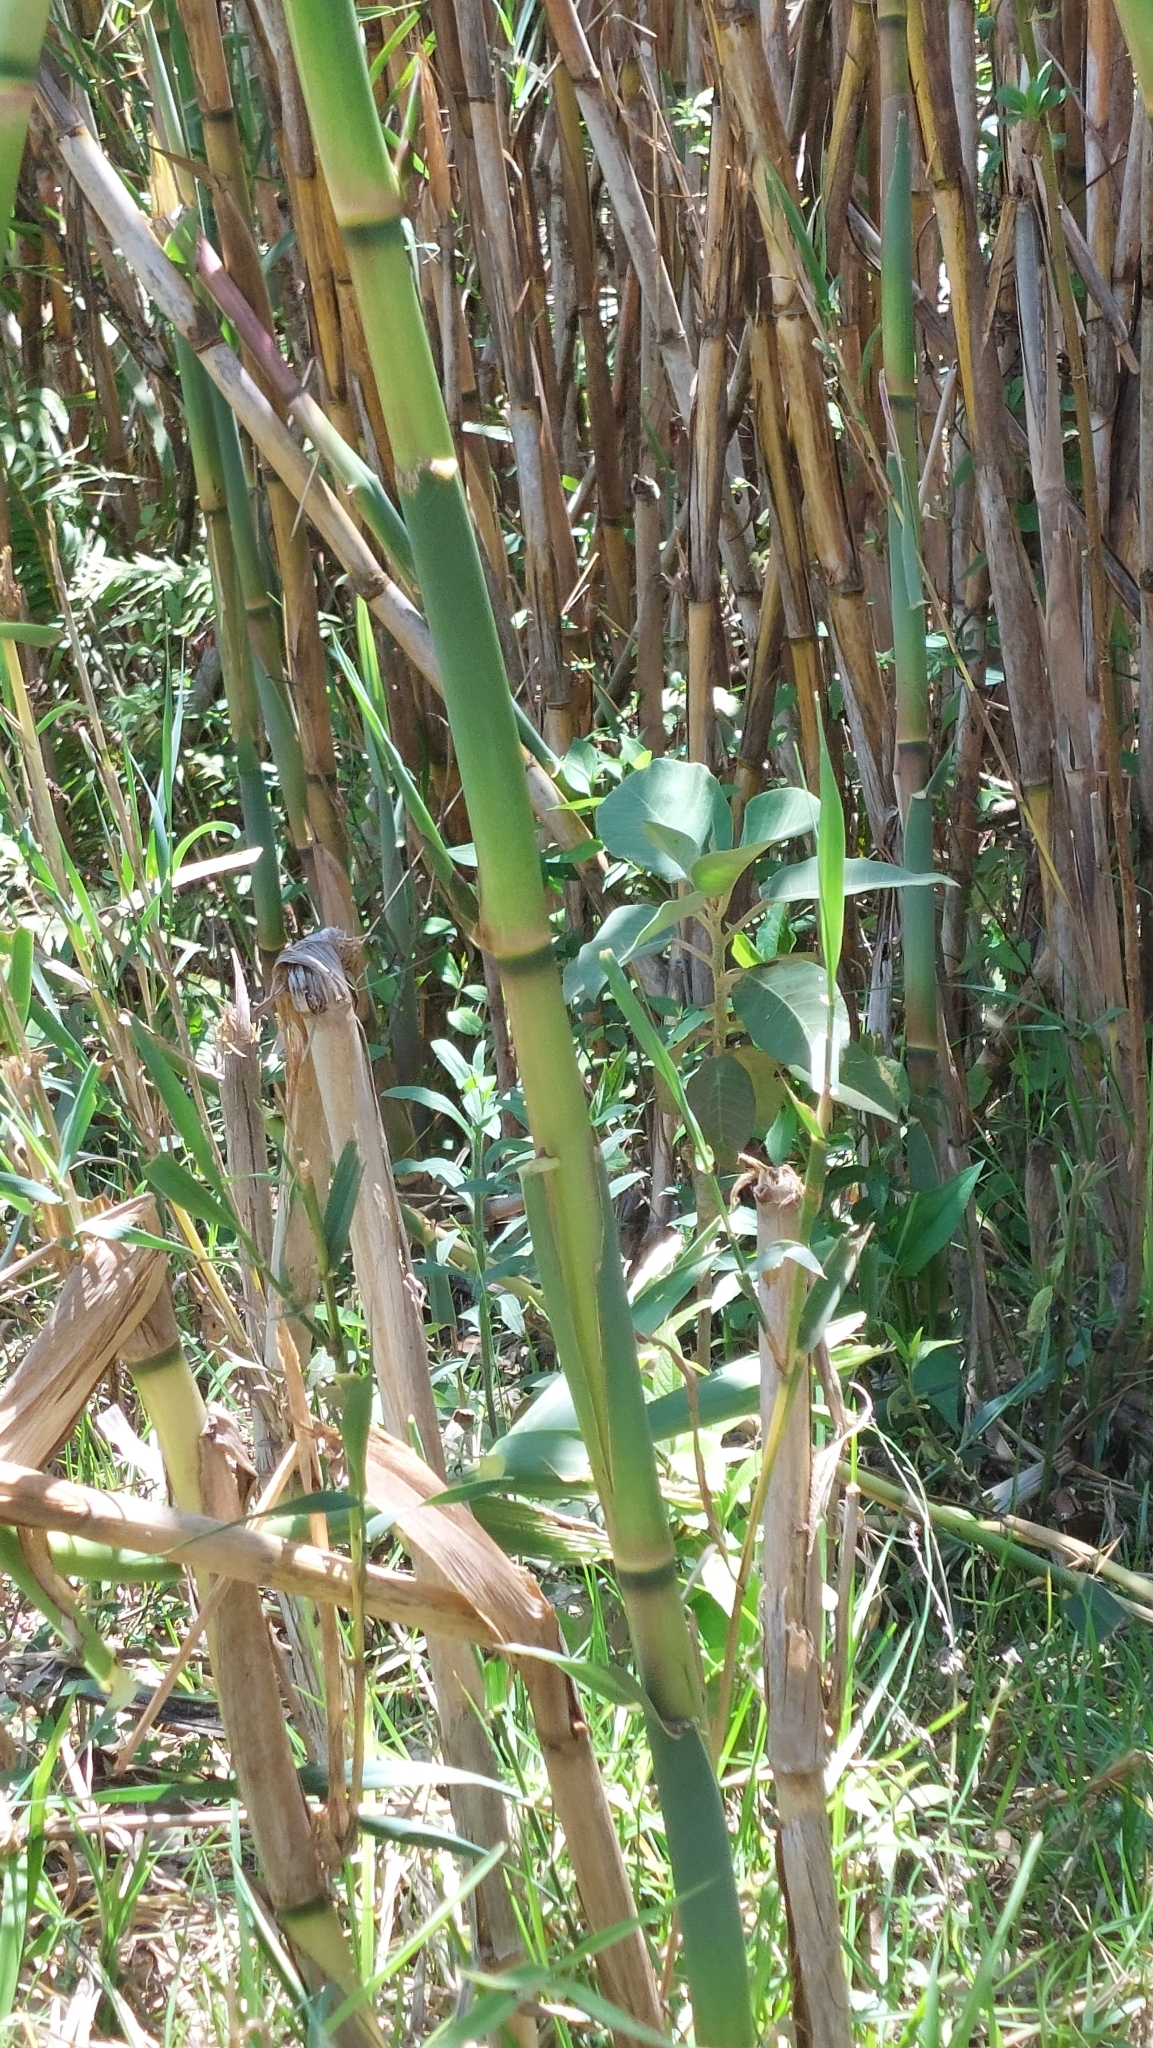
{"x":724,"y":1101}
{"x":326,"y":1501}
{"x":544,"y":1445}
{"x":932,"y":1219}
{"x":769,"y":1085}
{"x":781,"y":197}
{"x":545,"y":1440}
{"x":415,"y":1834}
{"x":29,"y":635}
{"x":779,"y":814}
{"x":680,"y":795}
{"x":726,"y":1395}
{"x":654,"y":1303}
{"x":18,"y":1189}
{"x":13,"y":1925}
{"x":784,"y":1007}
{"x":789,"y":1250}
{"x":676,"y":847}
{"x":839,"y":1264}
{"x":1094,"y":1611}
{"x":715,"y":874}
{"x":936,"y":1379}
{"x":721,"y":835}
{"x":672,"y":913}
{"x":176,"y":1185}
{"x":548,"y":1461}
{"x":355,"y":1392}
{"x":341,"y":1204}
{"x":79,"y":1117}
{"x":526,"y":1530}
{"x":580,"y":767}
{"x":173,"y":1092}
{"x":381,"y":1774}
{"x":863,"y":1084}
{"x":605,"y":1681}
{"x":801,"y":881}
{"x":431,"y":1099}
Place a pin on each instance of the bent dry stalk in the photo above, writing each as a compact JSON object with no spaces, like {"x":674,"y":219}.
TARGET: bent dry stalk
{"x":572,"y":1223}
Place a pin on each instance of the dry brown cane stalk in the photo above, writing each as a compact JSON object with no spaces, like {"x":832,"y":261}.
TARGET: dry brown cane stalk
{"x":603,"y":426}
{"x":548,"y":578}
{"x":318,"y":1018}
{"x":30,"y":1500}
{"x":792,"y":1617}
{"x":709,"y":434}
{"x":305,"y":655}
{"x":743,"y":62}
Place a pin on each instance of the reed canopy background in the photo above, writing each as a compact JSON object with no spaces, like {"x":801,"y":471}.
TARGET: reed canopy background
{"x":576,"y":826}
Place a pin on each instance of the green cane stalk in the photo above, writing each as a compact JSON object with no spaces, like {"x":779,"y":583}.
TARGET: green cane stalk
{"x":918,"y":916}
{"x":240,"y":685}
{"x":1136,"y":19}
{"x":22,"y":26}
{"x":263,"y":630}
{"x":573,"y":1228}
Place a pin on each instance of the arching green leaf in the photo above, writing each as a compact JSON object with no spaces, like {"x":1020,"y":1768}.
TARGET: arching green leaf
{"x":800,"y":882}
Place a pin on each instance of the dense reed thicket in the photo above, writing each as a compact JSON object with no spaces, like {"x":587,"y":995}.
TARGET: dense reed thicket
{"x":577,"y":816}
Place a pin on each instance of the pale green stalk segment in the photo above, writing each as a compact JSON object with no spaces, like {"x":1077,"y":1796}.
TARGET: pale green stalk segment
{"x":74,"y":1629}
{"x":22,"y":26}
{"x":908,"y":609}
{"x":367,"y":202}
{"x":830,"y":873}
{"x":1136,"y":18}
{"x":260,"y":619}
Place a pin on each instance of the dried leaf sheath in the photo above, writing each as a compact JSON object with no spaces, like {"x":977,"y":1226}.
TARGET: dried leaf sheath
{"x":196,"y":1458}
{"x":108,"y":1291}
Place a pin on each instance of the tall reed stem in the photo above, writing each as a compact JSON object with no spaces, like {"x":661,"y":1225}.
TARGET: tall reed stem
{"x":236,"y":662}
{"x":912,"y":675}
{"x":566,"y":1196}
